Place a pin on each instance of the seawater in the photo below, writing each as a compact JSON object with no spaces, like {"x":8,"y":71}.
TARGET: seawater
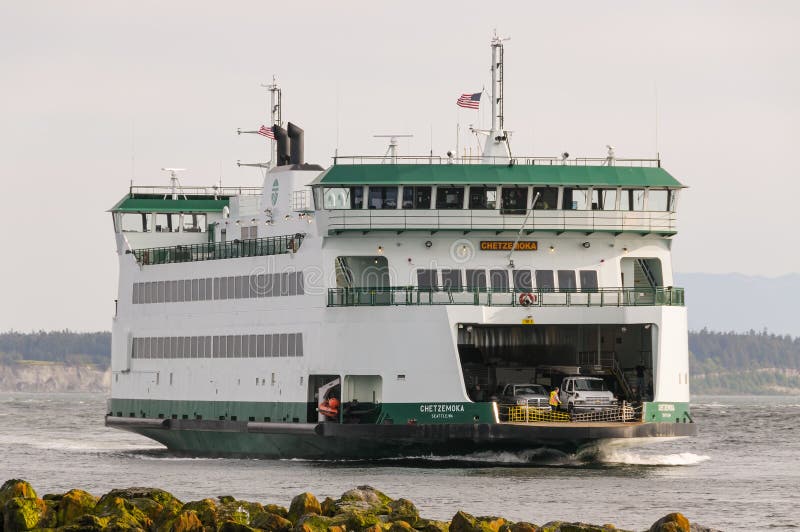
{"x":742,"y":472}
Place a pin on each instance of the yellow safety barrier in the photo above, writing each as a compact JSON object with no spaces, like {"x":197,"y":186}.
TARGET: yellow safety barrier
{"x":528,"y":414}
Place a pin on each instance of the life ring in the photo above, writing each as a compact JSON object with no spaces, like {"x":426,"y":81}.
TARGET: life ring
{"x":527,"y":299}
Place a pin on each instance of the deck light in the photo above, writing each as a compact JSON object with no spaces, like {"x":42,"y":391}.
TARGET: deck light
{"x":625,"y":250}
{"x":552,"y":249}
{"x":428,"y":243}
{"x":287,"y":217}
{"x":587,"y":244}
{"x":380,"y":250}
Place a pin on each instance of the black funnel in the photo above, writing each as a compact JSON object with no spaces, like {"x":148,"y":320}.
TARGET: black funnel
{"x":295,"y":143}
{"x":282,"y":140}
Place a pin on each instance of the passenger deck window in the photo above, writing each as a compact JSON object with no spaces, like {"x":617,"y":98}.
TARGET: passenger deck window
{"x":588,"y":280}
{"x":658,"y":200}
{"x":482,"y":197}
{"x":451,"y":280}
{"x":499,"y":280}
{"x":604,"y":199}
{"x":476,"y":280}
{"x":382,"y":197}
{"x":575,"y":199}
{"x":522,"y":281}
{"x":545,"y":280}
{"x":427,"y":279}
{"x":514,"y":200}
{"x":548,"y":198}
{"x":450,"y":198}
{"x":566,"y":280}
{"x":416,"y":197}
{"x":194,"y":223}
{"x":632,"y":199}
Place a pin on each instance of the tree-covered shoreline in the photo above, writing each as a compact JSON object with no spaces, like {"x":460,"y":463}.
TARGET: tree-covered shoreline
{"x":755,"y":362}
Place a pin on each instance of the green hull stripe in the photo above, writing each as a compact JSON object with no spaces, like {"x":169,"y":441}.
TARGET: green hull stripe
{"x":397,"y":413}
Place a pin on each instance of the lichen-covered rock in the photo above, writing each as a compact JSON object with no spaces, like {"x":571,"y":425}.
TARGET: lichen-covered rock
{"x":312,"y":523}
{"x":237,"y":511}
{"x":328,"y":507}
{"x":206,"y":511}
{"x":521,"y":526}
{"x":357,"y":520}
{"x":72,"y":505}
{"x":13,"y":488}
{"x":233,"y":526}
{"x":364,"y":499}
{"x":304,"y":504}
{"x":23,"y":514}
{"x":583,"y":527}
{"x":674,"y":522}
{"x":271,"y":522}
{"x":185,"y":522}
{"x":431,"y":525}
{"x":277,"y":510}
{"x":464,"y":522}
{"x":403,"y":510}
{"x":401,"y":526}
{"x":87,"y":523}
{"x":121,"y":514}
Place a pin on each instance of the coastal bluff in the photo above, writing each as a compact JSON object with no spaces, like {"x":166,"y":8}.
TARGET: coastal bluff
{"x":53,"y":377}
{"x":362,"y":509}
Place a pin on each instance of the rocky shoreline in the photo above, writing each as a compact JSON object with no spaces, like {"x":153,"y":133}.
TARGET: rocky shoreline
{"x":362,"y":509}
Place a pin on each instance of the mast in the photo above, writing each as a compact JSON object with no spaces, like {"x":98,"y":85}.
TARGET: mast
{"x":497,"y":139}
{"x":274,"y":116}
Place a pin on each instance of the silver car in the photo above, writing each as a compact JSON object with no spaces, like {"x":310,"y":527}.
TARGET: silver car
{"x":534,"y":395}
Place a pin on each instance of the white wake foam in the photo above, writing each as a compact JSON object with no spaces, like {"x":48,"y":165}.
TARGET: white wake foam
{"x":631,"y":458}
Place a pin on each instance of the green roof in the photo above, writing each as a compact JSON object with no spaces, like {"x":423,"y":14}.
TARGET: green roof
{"x":160,"y":204}
{"x":492,"y":174}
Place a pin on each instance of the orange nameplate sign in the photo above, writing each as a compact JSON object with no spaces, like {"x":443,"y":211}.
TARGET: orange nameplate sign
{"x":506,"y":245}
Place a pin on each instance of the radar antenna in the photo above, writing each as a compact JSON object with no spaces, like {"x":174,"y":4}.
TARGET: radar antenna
{"x":174,"y":182}
{"x":391,"y":151}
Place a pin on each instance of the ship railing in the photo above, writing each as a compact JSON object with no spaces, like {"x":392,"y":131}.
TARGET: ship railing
{"x":214,"y":191}
{"x":622,"y":413}
{"x":588,"y":221}
{"x":504,"y":160}
{"x":540,"y":297}
{"x":255,"y":247}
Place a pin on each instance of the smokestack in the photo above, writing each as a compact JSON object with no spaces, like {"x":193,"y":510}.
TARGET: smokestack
{"x":295,"y":144}
{"x":282,"y":141}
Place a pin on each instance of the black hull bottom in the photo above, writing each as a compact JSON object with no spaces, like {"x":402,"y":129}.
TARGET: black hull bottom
{"x":335,"y":441}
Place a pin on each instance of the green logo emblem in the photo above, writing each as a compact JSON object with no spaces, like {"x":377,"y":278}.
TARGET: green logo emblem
{"x":274,"y":192}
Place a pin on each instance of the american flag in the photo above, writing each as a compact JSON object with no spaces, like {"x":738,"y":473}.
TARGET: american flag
{"x":470,"y":101}
{"x":267,"y":132}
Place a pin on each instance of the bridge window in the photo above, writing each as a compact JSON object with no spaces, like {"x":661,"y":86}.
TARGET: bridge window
{"x":482,"y":197}
{"x":522,"y":281}
{"x":575,"y":199}
{"x":416,"y":197}
{"x":566,"y":280}
{"x":548,"y":198}
{"x":343,"y":198}
{"x":476,"y":280}
{"x":167,"y":223}
{"x":514,"y":200}
{"x":451,"y":279}
{"x":658,"y":200}
{"x":632,"y":199}
{"x":499,"y":280}
{"x":194,"y":223}
{"x":450,"y":198}
{"x":545,"y":281}
{"x":382,"y":197}
{"x":604,"y":199}
{"x":588,"y":280}
{"x":138,"y":222}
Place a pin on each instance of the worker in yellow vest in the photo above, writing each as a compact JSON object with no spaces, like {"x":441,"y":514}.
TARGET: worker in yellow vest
{"x":554,"y":400}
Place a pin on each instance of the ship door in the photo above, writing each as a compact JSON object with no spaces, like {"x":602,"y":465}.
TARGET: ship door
{"x":324,"y":398}
{"x":361,"y":398}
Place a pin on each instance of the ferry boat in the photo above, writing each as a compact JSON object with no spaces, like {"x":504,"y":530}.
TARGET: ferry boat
{"x":378,"y":307}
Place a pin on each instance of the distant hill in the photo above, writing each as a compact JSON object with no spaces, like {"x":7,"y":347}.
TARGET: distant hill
{"x":57,"y":346}
{"x":741,"y":303}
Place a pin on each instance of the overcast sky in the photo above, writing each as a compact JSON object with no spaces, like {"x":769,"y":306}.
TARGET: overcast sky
{"x":86,"y":86}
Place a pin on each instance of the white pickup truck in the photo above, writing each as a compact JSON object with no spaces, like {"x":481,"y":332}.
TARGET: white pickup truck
{"x":584,"y":394}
